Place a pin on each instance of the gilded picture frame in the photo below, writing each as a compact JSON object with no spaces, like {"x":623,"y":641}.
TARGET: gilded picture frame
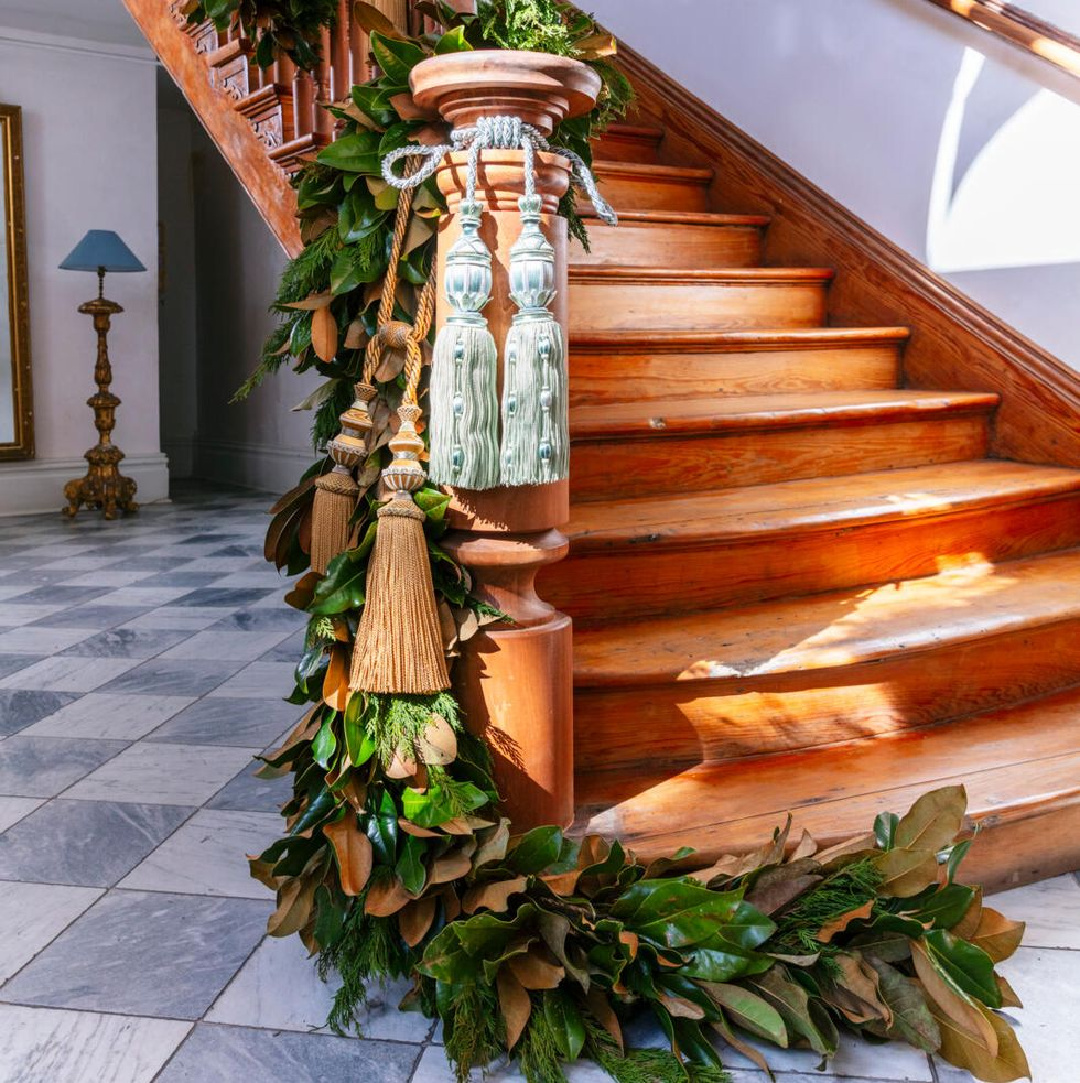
{"x":16,"y":432}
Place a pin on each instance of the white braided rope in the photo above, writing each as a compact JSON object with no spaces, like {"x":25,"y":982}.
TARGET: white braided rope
{"x":494,"y":133}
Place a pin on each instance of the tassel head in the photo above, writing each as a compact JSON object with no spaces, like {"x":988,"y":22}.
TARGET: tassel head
{"x":532,"y":263}
{"x":467,"y":279}
{"x":399,"y":647}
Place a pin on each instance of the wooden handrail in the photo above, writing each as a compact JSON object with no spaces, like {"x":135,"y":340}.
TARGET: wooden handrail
{"x":1029,"y":32}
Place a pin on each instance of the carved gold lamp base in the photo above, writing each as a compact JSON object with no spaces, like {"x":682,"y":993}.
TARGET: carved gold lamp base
{"x":104,"y":487}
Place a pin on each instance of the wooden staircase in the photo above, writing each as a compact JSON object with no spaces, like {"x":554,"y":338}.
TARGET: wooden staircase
{"x":796,"y":584}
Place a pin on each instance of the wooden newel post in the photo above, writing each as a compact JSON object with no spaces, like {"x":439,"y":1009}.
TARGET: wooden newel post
{"x":515,"y":680}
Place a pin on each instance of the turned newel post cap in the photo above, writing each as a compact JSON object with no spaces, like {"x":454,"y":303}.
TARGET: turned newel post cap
{"x":539,"y":88}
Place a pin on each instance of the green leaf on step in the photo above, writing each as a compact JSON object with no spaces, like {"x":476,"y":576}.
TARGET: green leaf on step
{"x":536,"y":850}
{"x":566,"y":1023}
{"x":324,"y":745}
{"x":751,"y":1012}
{"x":885,"y":829}
{"x":967,"y":966}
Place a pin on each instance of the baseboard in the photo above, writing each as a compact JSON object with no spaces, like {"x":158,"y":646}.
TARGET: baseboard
{"x":251,"y":466}
{"x":38,"y":485}
{"x":956,"y":344}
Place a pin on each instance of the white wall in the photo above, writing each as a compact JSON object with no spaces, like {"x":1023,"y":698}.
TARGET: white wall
{"x":260,"y":443}
{"x":956,"y":145}
{"x":90,"y":138}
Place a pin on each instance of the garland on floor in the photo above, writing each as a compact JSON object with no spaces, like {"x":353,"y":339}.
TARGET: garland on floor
{"x":397,"y":862}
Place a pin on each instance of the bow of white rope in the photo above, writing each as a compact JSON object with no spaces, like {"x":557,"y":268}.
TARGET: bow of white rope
{"x":495,"y":133}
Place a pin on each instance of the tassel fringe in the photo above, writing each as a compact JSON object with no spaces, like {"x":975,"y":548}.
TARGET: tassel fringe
{"x":399,"y":645}
{"x":536,"y":441}
{"x":336,"y":494}
{"x":464,"y":407}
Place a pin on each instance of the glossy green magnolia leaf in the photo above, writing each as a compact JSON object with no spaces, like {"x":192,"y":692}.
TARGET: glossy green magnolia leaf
{"x":381,"y":826}
{"x":486,"y":935}
{"x":329,"y":920}
{"x":443,"y":802}
{"x":711,"y":965}
{"x":913,"y":1021}
{"x":934,"y":821}
{"x":374,"y":103}
{"x":410,"y":866}
{"x":885,"y":829}
{"x":319,"y":808}
{"x":358,"y":742}
{"x":693,"y":1044}
{"x":536,"y":851}
{"x":357,"y":152}
{"x":751,"y":1012}
{"x":566,"y":1022}
{"x":396,"y":58}
{"x":968,"y":966}
{"x":359,"y":216}
{"x":342,"y":588}
{"x":792,"y":1002}
{"x":453,"y":42}
{"x":944,"y":906}
{"x":324,"y":745}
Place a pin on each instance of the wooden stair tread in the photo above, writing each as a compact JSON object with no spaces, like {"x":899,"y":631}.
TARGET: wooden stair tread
{"x":652,"y":170}
{"x":1014,"y":762}
{"x":727,"y":413}
{"x":838,"y":629}
{"x":695,"y":276}
{"x":729,"y":516}
{"x":678,"y":218}
{"x":658,"y":339}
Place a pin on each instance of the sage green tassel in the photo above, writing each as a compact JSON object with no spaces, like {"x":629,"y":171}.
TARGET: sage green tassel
{"x":535,"y":430}
{"x":464,"y":418}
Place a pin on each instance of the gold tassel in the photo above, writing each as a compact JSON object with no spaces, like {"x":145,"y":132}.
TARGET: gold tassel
{"x":399,"y":646}
{"x":336,"y":493}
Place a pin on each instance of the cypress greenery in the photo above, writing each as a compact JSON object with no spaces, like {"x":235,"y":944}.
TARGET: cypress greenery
{"x":396,"y":860}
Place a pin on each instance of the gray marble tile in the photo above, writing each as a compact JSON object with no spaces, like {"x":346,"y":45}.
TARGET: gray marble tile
{"x":91,"y":616}
{"x":144,"y":596}
{"x":45,"y":766}
{"x":224,"y":720}
{"x":53,"y":594}
{"x":15,"y":616}
{"x":127,"y":643}
{"x":31,"y":915}
{"x":190,"y":620}
{"x":288,"y":650}
{"x":156,"y":562}
{"x":434,"y":1068}
{"x":110,"y":716}
{"x":144,"y":953}
{"x":160,"y":774}
{"x":68,"y":674}
{"x":181,"y":578}
{"x":226,"y":644}
{"x":266,"y":680}
{"x":13,"y":809}
{"x":85,"y":843}
{"x":278,"y":988}
{"x":218,"y":539}
{"x":12,"y":663}
{"x":174,"y":677}
{"x":246,"y":793}
{"x":208,"y":856}
{"x":217,"y":1054}
{"x":224,"y":597}
{"x":117,"y":576}
{"x":1050,"y":908}
{"x":39,"y":641}
{"x":38,"y":1044}
{"x":264,"y":620}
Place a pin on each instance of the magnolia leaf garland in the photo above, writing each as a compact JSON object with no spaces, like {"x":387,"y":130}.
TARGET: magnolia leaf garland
{"x":396,"y":861}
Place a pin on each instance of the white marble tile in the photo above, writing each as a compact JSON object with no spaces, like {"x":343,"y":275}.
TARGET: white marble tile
{"x":31,"y":915}
{"x":69,"y":673}
{"x":208,"y":856}
{"x":268,"y":679}
{"x":434,"y":1068}
{"x":1050,"y":908}
{"x":268,"y":578}
{"x":278,"y":988}
{"x":13,"y":809}
{"x":233,"y":645}
{"x":40,"y":640}
{"x":110,"y":716}
{"x":38,"y":1044}
{"x":15,"y":616}
{"x":163,"y":774}
{"x":189,"y":618}
{"x":114,"y":577}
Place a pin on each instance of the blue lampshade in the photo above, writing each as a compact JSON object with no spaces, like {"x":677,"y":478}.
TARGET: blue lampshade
{"x":101,"y":248}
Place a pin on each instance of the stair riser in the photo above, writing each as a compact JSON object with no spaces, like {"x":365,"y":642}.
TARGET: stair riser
{"x":673,"y":727}
{"x":651,"y":192}
{"x":618,"y":305}
{"x":626,"y":377}
{"x":624,"y":146}
{"x":650,"y":580}
{"x":639,"y":244}
{"x":608,"y":469}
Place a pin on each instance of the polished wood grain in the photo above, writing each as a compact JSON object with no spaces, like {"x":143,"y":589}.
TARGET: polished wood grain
{"x":629,"y":143}
{"x":1021,"y":28}
{"x":636,"y":298}
{"x":673,"y":553}
{"x":622,"y":366}
{"x":673,"y":239}
{"x":632,"y":186}
{"x":266,"y":185}
{"x":957,"y":343}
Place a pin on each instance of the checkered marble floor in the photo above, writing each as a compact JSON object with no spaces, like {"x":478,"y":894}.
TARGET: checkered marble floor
{"x":142,"y":664}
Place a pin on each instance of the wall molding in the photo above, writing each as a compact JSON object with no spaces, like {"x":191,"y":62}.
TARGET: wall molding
{"x":38,"y":484}
{"x":955,"y":344}
{"x":264,"y":467}
{"x":34,"y":39}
